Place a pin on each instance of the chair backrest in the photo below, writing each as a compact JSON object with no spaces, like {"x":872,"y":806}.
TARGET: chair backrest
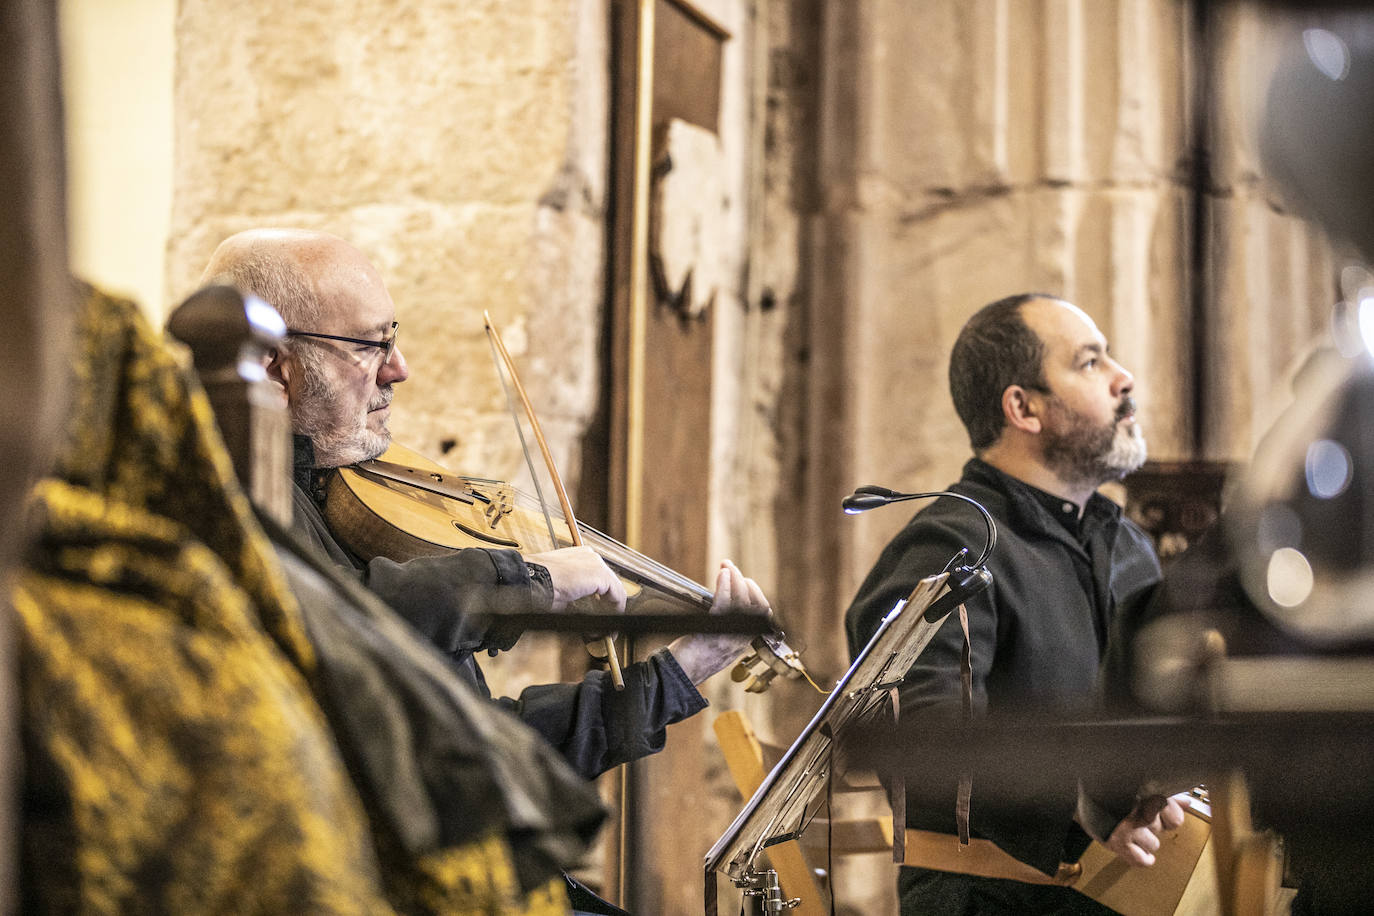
{"x":229,"y":336}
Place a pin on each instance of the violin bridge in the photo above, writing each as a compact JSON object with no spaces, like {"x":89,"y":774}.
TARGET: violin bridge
{"x":501,"y":505}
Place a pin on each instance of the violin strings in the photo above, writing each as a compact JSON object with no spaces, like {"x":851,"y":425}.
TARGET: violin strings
{"x":520,"y":433}
{"x":633,"y":561}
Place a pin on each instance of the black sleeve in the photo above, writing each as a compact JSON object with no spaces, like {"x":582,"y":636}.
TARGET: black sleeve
{"x":455,"y":600}
{"x":922,"y":549}
{"x":440,"y":596}
{"x":596,"y":727}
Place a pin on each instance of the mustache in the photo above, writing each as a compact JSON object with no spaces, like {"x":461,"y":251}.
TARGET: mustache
{"x":1126,"y":408}
{"x":383,"y":398}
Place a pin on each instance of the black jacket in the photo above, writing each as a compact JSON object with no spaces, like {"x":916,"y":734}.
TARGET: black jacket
{"x":1038,"y":633}
{"x":594,"y":726}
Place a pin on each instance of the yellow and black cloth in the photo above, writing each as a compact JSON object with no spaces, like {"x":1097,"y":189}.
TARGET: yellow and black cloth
{"x":198,"y":740}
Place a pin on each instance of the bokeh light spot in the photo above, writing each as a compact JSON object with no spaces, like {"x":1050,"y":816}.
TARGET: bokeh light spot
{"x":1289,"y":577}
{"x":1327,"y":52}
{"x":1329,"y":468}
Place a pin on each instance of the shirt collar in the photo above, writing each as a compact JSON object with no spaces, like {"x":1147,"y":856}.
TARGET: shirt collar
{"x":1066,"y":511}
{"x":1098,"y":511}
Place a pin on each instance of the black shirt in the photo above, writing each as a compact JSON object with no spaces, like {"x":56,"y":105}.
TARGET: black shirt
{"x":1038,"y":633}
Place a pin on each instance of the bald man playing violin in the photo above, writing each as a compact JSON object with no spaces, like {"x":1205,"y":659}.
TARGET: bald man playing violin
{"x":338,"y":367}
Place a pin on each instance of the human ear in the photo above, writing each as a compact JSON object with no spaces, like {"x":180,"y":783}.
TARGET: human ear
{"x":1020,"y":409}
{"x":278,"y":367}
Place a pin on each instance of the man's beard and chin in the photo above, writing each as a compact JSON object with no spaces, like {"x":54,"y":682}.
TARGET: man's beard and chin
{"x":339,"y":439}
{"x":1082,"y":452}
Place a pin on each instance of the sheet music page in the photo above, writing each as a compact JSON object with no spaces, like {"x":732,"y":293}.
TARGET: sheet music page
{"x":781,"y":807}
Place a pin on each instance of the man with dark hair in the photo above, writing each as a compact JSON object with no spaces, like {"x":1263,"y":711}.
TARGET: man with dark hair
{"x":1051,"y":417}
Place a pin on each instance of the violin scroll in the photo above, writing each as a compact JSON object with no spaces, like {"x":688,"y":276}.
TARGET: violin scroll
{"x":769,"y":657}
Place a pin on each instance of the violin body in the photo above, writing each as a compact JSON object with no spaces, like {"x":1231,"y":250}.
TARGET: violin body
{"x":402,"y":506}
{"x":432,"y":511}
{"x":382,"y":516}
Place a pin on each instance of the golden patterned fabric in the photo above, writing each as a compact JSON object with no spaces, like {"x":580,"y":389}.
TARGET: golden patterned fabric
{"x":175,"y":757}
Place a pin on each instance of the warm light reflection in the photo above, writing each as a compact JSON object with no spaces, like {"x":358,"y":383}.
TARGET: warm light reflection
{"x":1345,"y":330}
{"x":1329,"y":468}
{"x":1365,"y":317}
{"x":1328,"y":53}
{"x":1289,"y":578}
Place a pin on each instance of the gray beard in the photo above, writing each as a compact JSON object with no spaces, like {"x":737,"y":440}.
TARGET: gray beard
{"x":1095,"y":455}
{"x":336,"y":448}
{"x":337,"y":444}
{"x":1127,"y":454}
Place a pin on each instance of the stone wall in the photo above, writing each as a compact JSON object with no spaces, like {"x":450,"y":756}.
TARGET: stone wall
{"x":461,"y":146}
{"x":117,"y":94}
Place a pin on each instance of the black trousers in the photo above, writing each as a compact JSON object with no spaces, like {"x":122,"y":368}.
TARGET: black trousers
{"x":924,"y":892}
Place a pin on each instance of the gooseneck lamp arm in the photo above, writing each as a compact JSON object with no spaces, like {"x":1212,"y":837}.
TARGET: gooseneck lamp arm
{"x":871,"y":497}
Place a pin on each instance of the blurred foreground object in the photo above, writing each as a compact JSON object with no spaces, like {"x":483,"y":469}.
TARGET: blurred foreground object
{"x":206,"y":729}
{"x":1316,"y":136}
{"x":36,"y":301}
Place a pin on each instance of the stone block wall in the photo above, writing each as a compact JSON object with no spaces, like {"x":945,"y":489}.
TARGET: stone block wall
{"x":460,"y":145}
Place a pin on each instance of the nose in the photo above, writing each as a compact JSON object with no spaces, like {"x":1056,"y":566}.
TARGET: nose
{"x":395,"y":369}
{"x":1122,"y":380}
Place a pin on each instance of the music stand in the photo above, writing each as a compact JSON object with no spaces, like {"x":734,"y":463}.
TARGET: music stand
{"x":783,"y":805}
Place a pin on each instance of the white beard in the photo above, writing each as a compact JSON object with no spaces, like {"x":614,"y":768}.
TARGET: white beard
{"x":1127,"y":454}
{"x":338,"y":440}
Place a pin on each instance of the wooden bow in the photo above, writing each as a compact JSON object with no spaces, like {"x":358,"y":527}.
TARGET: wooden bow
{"x":607,"y":642}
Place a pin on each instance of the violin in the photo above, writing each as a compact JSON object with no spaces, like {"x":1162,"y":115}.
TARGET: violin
{"x":404,"y":506}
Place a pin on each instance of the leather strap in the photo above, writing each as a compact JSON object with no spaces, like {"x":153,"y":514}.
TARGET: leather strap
{"x":898,"y":794}
{"x":961,"y":805}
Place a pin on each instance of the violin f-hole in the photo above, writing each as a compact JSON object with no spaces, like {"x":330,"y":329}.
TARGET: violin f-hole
{"x":484,"y":536}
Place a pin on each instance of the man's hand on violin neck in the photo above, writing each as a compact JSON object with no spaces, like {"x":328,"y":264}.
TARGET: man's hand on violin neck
{"x":701,"y":656}
{"x":579,"y":572}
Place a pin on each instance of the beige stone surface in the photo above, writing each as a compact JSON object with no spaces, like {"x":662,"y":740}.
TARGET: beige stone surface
{"x":117,"y":94}
{"x":456,"y":144}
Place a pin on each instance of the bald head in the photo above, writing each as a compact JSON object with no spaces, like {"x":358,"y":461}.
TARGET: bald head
{"x":338,"y":392}
{"x":294,"y":270}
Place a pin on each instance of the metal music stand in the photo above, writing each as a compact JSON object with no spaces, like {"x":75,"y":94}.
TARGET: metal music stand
{"x":788,"y":797}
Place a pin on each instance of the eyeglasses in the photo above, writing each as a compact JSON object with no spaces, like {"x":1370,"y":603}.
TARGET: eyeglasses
{"x":387,"y":344}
